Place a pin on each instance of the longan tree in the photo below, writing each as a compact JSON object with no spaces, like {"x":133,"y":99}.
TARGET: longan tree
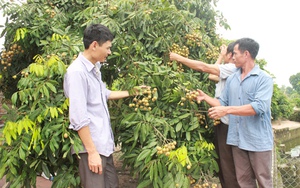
{"x":164,"y":134}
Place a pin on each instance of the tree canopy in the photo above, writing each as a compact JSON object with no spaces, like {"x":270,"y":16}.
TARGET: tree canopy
{"x":165,"y":136}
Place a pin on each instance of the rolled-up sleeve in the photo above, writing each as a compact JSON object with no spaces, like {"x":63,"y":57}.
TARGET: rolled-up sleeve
{"x":76,"y":90}
{"x":263,"y":96}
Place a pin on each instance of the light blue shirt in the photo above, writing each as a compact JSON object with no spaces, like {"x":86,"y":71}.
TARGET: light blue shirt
{"x":225,"y":71}
{"x":251,"y":133}
{"x":88,"y":97}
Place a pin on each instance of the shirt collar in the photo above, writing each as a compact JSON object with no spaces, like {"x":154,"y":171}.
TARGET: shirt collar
{"x":89,"y":65}
{"x":253,"y":72}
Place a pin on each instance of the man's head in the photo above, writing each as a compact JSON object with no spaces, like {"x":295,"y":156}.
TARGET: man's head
{"x":98,"y":33}
{"x":247,"y":44}
{"x":245,"y":49}
{"x":97,"y":41}
{"x":229,"y":53}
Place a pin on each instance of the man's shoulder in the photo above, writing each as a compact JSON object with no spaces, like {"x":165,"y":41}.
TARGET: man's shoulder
{"x":265,"y":75}
{"x":227,"y":70}
{"x":228,"y":66}
{"x":76,"y":66}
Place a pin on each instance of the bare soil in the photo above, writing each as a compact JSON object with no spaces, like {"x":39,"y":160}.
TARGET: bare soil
{"x":126,"y":180}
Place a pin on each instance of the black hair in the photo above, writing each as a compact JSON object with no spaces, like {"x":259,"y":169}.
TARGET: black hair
{"x":96,"y":32}
{"x":247,"y":44}
{"x":230,"y":48}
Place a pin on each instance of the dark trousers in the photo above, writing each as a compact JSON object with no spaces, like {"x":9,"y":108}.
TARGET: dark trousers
{"x":225,"y":161}
{"x":253,"y":168}
{"x":89,"y":179}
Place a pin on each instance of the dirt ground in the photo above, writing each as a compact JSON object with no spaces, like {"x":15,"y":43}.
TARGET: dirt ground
{"x":126,"y":180}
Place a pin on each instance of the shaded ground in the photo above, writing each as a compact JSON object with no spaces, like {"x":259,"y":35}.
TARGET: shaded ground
{"x":125,"y":179}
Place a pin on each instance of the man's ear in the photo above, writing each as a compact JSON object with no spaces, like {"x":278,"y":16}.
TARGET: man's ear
{"x":247,"y":53}
{"x":94,"y":45}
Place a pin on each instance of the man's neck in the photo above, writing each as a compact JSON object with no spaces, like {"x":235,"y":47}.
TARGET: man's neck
{"x":247,"y":68}
{"x":88,"y":56}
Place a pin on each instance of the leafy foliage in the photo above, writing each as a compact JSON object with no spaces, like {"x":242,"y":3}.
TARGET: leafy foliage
{"x":295,"y":82}
{"x":281,"y":106}
{"x":35,"y":136}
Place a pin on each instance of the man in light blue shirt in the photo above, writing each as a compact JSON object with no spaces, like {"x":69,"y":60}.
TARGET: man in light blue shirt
{"x":247,"y":100}
{"x":88,"y":111}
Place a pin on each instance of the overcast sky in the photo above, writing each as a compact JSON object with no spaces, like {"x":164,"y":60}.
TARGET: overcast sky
{"x":274,"y":25}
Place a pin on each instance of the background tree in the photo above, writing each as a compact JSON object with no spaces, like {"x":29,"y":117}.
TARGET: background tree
{"x":165,"y":136}
{"x":294,"y":95}
{"x":295,"y":82}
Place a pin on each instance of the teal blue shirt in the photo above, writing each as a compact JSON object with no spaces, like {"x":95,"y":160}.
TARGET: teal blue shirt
{"x":251,"y":133}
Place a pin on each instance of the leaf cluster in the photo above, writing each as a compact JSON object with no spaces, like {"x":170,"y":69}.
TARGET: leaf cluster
{"x":36,"y":137}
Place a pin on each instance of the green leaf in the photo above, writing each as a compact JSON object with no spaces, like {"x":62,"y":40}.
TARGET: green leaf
{"x":188,"y":136}
{"x":178,"y":126}
{"x":46,"y":169}
{"x":45,"y":91}
{"x":14,"y":98}
{"x":143,"y":154}
{"x":51,"y":87}
{"x":22,"y":154}
{"x":144,"y":184}
{"x":184,"y":116}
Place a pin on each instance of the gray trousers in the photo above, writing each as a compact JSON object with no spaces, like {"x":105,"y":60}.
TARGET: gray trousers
{"x":89,"y":179}
{"x":253,"y":168}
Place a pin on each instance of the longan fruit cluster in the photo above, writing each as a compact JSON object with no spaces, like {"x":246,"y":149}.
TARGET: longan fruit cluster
{"x":183,"y":51}
{"x":149,"y":11}
{"x":166,"y":148}
{"x":52,"y":13}
{"x":24,"y":73}
{"x":217,"y":122}
{"x":113,"y":8}
{"x":206,"y":185}
{"x":7,"y":56}
{"x":143,"y":102}
{"x":191,"y":179}
{"x":201,"y":118}
{"x":201,"y":183}
{"x":193,"y":39}
{"x":212,"y":54}
{"x":190,"y":96}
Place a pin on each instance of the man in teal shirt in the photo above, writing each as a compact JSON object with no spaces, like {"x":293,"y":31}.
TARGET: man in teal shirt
{"x":247,"y":100}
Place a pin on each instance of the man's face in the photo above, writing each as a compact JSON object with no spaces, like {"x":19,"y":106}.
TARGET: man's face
{"x":238,"y":57}
{"x":103,"y":51}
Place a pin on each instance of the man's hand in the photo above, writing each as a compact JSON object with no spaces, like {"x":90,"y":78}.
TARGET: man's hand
{"x":95,"y":162}
{"x":223,"y":50}
{"x":138,"y":90}
{"x":217,"y":112}
{"x":200,"y":96}
{"x":174,"y":56}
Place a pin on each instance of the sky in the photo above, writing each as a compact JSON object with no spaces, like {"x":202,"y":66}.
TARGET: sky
{"x":274,"y":25}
